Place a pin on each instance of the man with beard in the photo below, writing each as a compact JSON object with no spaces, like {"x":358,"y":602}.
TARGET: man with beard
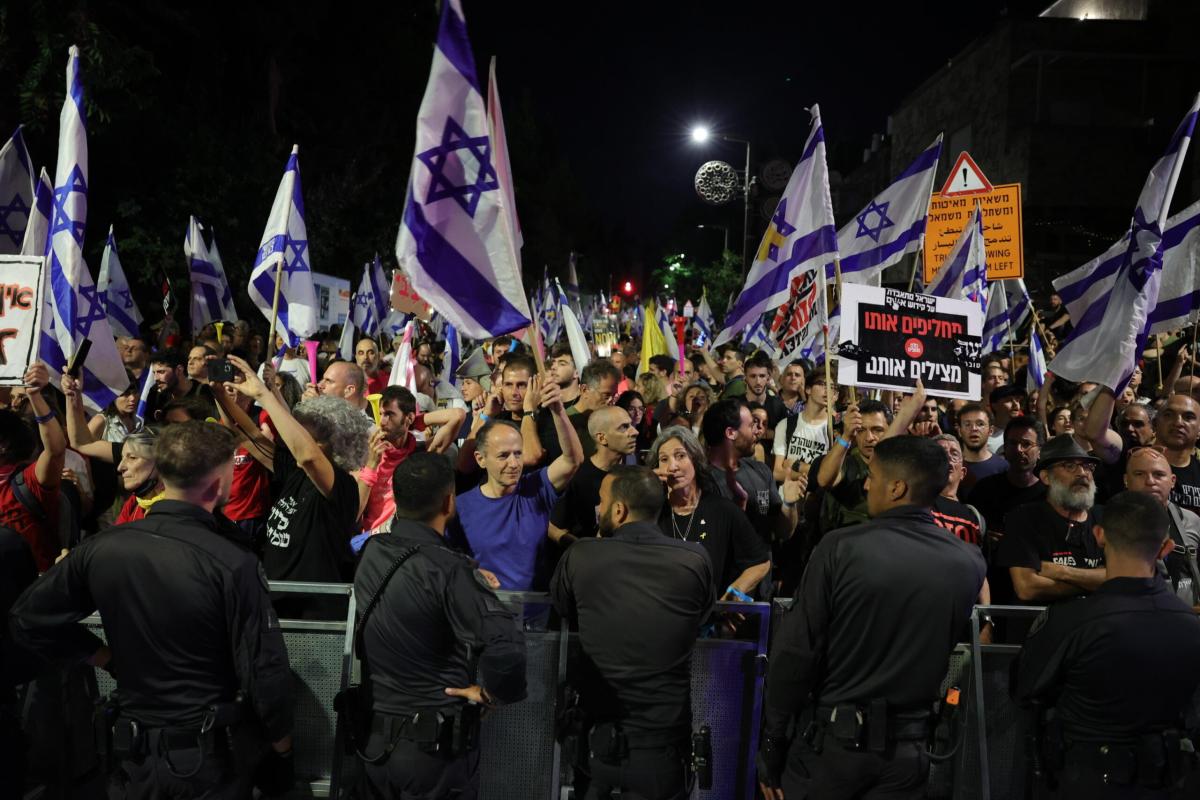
{"x":1049,"y":549}
{"x":168,"y":370}
{"x":634,"y":675}
{"x":974,"y":430}
{"x":996,"y":495}
{"x":574,"y":514}
{"x":1147,"y":471}
{"x":842,"y":472}
{"x":366,"y":355}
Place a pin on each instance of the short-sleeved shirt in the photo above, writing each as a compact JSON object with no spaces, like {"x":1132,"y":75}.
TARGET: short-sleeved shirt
{"x":381,"y":502}
{"x":724,"y":531}
{"x":575,"y":511}
{"x":762,"y":495}
{"x":507,"y":534}
{"x":250,"y":494}
{"x":775,"y":408}
{"x":808,"y":442}
{"x":978,"y":470}
{"x":845,"y":503}
{"x":42,"y":537}
{"x":996,"y":496}
{"x":1037,"y":533}
{"x":958,"y":518}
{"x":377,"y":383}
{"x":1186,"y":493}
{"x":308,"y":534}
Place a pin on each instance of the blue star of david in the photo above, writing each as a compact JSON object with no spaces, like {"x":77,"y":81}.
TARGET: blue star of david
{"x":17,"y":206}
{"x":881,"y":224}
{"x":296,"y":262}
{"x":782,"y":227}
{"x":437,"y":159}
{"x":95,"y":311}
{"x":363,"y":301}
{"x":62,"y":219}
{"x":126,"y":299}
{"x":1143,"y":254}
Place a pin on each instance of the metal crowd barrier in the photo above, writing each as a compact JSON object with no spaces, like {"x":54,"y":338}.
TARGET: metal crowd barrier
{"x":522,"y":760}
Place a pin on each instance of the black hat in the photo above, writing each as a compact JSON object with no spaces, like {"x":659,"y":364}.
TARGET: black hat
{"x":1063,"y":448}
{"x":1005,"y":391}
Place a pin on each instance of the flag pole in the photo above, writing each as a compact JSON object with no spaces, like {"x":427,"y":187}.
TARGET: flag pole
{"x":1192,"y":352}
{"x":828,"y":353}
{"x":837,"y":273}
{"x":920,"y":254}
{"x":275,"y":304}
{"x":1159,"y":343}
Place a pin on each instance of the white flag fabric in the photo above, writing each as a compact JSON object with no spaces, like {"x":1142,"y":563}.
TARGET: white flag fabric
{"x":995,"y":319}
{"x":963,"y":275}
{"x":1179,"y":295}
{"x":17,"y":193}
{"x":1035,"y":376}
{"x":704,"y":320}
{"x":456,"y":242}
{"x":36,"y":242}
{"x":285,"y":241}
{"x":78,"y":309}
{"x":404,"y":364}
{"x":123,"y":314}
{"x":891,"y":225}
{"x":212,"y":299}
{"x":1114,"y":300}
{"x":580,"y":352}
{"x":801,"y":237}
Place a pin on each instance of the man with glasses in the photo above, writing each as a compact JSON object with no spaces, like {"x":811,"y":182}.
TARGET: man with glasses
{"x":1049,"y":549}
{"x":996,"y":495}
{"x":974,"y":430}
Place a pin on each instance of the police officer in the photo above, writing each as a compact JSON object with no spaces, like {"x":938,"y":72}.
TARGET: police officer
{"x":1119,"y":667}
{"x":436,"y":646}
{"x":201,"y":668}
{"x":638,"y":599}
{"x":877,"y":614}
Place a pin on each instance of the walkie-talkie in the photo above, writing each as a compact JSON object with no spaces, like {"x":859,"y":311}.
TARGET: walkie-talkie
{"x":702,"y":756}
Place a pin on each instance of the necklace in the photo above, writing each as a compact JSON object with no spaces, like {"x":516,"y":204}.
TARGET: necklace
{"x":691,"y":518}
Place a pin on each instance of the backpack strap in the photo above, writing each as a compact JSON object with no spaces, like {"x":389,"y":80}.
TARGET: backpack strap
{"x":26,"y":497}
{"x":361,"y":625}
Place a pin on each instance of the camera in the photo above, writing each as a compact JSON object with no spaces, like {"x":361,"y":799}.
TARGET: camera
{"x":220,"y":370}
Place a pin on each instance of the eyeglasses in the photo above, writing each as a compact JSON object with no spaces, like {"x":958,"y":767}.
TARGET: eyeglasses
{"x":1078,"y":466}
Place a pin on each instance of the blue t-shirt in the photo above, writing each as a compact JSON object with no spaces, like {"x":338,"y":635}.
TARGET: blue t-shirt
{"x":506,"y":534}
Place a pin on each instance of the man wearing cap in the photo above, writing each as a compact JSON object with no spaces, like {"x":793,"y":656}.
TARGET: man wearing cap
{"x":1006,"y":402}
{"x":1049,"y":549}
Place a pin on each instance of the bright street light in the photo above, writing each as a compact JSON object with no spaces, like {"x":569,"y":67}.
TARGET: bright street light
{"x":699,"y":134}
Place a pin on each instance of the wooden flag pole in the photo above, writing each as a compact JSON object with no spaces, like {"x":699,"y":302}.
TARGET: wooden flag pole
{"x":275,"y":306}
{"x":1192,"y":353}
{"x":837,"y":275}
{"x":1158,"y":341}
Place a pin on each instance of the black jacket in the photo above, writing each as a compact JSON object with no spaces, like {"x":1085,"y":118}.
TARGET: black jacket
{"x":436,"y":624}
{"x":185,"y":611}
{"x":878,"y":612}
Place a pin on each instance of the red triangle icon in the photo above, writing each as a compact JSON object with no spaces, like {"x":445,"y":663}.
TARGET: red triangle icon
{"x":966,"y":178}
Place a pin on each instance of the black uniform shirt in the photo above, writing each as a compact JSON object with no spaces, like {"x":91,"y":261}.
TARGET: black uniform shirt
{"x":639,"y":599}
{"x":878,"y":612}
{"x":1118,"y":663}
{"x":434,"y":616}
{"x":186,"y":613}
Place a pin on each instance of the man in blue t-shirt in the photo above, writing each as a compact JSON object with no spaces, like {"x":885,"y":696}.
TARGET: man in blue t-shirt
{"x":504,"y":521}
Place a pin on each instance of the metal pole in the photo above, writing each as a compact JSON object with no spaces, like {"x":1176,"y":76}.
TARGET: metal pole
{"x":746,"y":216}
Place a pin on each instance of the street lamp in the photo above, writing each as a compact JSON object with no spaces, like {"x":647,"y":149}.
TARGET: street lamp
{"x":700,"y":135}
{"x":724,"y":228}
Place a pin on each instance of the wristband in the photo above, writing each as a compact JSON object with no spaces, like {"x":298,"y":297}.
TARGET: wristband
{"x":527,"y":414}
{"x":43,"y":420}
{"x":484,"y":417}
{"x":842,"y":442}
{"x":740,"y":595}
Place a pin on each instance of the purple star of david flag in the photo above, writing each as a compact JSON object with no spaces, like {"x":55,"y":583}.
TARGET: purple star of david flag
{"x":1019,"y":304}
{"x":78,"y":310}
{"x":892,"y":224}
{"x":456,"y":241}
{"x":36,"y":240}
{"x":800,"y":237}
{"x":995,"y":320}
{"x":964,"y":272}
{"x":703,"y":320}
{"x":1113,"y":301}
{"x":1035,"y":373}
{"x":371,"y":300}
{"x":212,"y":299}
{"x":1179,"y":295}
{"x":123,"y":314}
{"x":17,"y":190}
{"x":285,"y":241}
{"x":214,"y":257}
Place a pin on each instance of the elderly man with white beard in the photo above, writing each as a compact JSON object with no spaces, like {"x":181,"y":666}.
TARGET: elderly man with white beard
{"x":1050,"y":551}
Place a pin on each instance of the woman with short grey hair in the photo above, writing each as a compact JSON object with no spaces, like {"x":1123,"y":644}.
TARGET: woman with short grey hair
{"x":317,"y":504}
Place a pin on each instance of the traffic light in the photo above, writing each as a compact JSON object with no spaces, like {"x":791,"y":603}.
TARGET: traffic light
{"x":627,"y":288}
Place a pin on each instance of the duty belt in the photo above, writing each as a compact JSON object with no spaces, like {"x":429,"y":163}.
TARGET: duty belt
{"x":1154,"y":761}
{"x":872,"y":727}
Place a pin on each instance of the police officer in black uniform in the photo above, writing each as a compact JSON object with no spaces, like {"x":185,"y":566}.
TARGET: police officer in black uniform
{"x":879,"y":610}
{"x":202,"y":673}
{"x":436,"y":645}
{"x":1118,"y":668}
{"x":638,"y":599}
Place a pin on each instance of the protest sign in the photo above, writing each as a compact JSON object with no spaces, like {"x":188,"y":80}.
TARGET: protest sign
{"x":891,"y":338}
{"x":404,"y":297}
{"x":20,"y":315}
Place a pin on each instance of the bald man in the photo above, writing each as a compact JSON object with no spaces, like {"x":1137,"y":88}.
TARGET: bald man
{"x":366,"y":355}
{"x":615,"y":438}
{"x":1176,"y":430}
{"x":347,"y":381}
{"x":1149,"y":472}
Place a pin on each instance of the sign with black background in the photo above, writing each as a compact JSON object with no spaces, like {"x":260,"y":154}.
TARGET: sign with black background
{"x":891,"y":338}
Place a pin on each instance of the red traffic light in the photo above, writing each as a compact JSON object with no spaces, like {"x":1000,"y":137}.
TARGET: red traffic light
{"x":627,"y":287}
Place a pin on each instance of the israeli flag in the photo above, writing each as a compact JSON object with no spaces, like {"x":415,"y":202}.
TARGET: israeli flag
{"x":963,"y":275}
{"x":285,"y":242}
{"x":212,"y":299}
{"x":123,"y":314}
{"x":800,"y":237}
{"x":78,"y":309}
{"x":891,"y":225}
{"x":815,"y":350}
{"x":1112,"y":304}
{"x":663,"y":316}
{"x":36,"y":240}
{"x":1035,"y":376}
{"x":371,"y":301}
{"x":1179,"y":295}
{"x":17,"y":191}
{"x":1020,"y":307}
{"x":995,"y":320}
{"x":703,"y":320}
{"x":456,"y":242}
{"x":452,"y":355}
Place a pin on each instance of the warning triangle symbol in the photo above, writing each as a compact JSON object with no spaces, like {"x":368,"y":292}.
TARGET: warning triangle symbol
{"x":966,"y":178}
